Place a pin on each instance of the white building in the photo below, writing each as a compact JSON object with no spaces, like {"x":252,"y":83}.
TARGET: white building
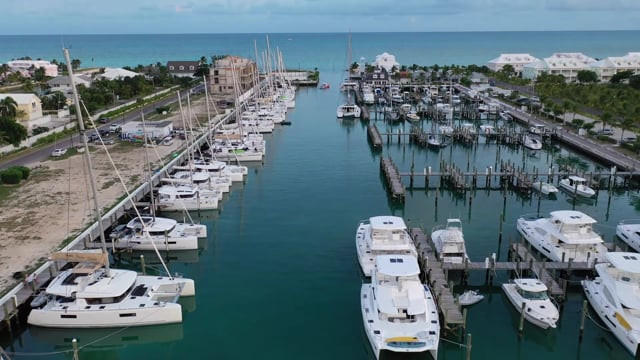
{"x":386,"y":61}
{"x":515,"y":60}
{"x":63,"y":84}
{"x":565,"y":64}
{"x":49,"y":68}
{"x":117,"y":73}
{"x":612,"y":65}
{"x":153,"y":130}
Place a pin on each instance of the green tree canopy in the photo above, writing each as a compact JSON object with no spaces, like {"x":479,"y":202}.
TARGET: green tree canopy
{"x":587,"y":76}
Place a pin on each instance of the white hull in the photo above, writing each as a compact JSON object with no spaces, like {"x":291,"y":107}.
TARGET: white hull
{"x":240,"y":156}
{"x":141,"y":242}
{"x":532,"y":143}
{"x":593,"y":289}
{"x":367,"y":258}
{"x":544,"y":309}
{"x":544,"y":188}
{"x":630,"y":234}
{"x":209,"y":203}
{"x":350,"y":111}
{"x":580,"y":190}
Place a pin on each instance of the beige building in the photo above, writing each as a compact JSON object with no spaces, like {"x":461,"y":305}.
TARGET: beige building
{"x":29,"y":107}
{"x":222,"y":73}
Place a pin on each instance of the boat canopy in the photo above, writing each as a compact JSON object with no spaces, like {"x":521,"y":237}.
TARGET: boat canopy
{"x":577,"y":178}
{"x":387,"y":223}
{"x":109,"y":286}
{"x":571,"y":217}
{"x":532,"y":285}
{"x":397,"y":265}
{"x":625,"y":261}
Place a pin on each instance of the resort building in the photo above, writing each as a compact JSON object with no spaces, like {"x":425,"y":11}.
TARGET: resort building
{"x":386,"y":61}
{"x":29,"y":107}
{"x":116,"y":73}
{"x":612,"y":65}
{"x":221,"y":77}
{"x":565,"y":64}
{"x":518,"y":61}
{"x":379,"y":78}
{"x":26,"y":65}
{"x":182,"y":68}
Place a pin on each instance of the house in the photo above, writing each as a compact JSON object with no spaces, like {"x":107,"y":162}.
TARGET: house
{"x":221,"y":77}
{"x":29,"y":106}
{"x":49,"y":68}
{"x":117,"y":73}
{"x":379,"y":78}
{"x":182,"y":68}
{"x":565,"y":64}
{"x":152,"y":129}
{"x":517,"y":61}
{"x":612,"y":65}
{"x":386,"y":61}
{"x":63,"y":84}
{"x":478,"y":78}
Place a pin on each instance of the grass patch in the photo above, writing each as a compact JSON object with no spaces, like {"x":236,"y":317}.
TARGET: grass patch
{"x":6,"y":191}
{"x":109,"y":184}
{"x":53,"y":137}
{"x":70,"y":152}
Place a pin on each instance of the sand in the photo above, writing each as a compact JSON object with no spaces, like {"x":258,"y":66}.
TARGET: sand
{"x":54,"y":204}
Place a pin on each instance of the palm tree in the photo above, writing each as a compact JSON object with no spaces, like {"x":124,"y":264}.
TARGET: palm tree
{"x":9,"y":107}
{"x":626,"y":124}
{"x":605,"y":118}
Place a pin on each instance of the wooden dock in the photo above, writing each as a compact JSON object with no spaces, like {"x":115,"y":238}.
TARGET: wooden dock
{"x":393,"y":180}
{"x":436,"y":277}
{"x":374,"y":136}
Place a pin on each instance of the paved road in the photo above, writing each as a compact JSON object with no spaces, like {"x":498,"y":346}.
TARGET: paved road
{"x":33,"y":156}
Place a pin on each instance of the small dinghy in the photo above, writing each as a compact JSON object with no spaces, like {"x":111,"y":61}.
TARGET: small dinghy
{"x":39,"y":300}
{"x":470,"y":297}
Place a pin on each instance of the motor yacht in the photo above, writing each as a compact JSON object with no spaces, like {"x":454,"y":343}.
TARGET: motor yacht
{"x":398,"y":311}
{"x":150,"y":233}
{"x":629,"y":232}
{"x":187,"y":197}
{"x":348,"y":111}
{"x":566,"y":234}
{"x":382,"y":235}
{"x":449,"y":242}
{"x":532,"y":294}
{"x":614,"y":295}
{"x":577,"y":185}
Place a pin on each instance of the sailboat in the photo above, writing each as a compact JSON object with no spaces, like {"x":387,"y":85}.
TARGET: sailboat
{"x":92,"y":295}
{"x":349,"y":109}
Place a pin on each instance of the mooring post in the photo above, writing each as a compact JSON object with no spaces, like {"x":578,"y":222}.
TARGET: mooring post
{"x":521,"y":325}
{"x":584,"y":314}
{"x":469,"y":346}
{"x":144,"y":270}
{"x":500,"y":229}
{"x":74,"y":343}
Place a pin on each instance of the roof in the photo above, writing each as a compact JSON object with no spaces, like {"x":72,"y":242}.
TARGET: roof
{"x":112,"y":286}
{"x":625,"y":261}
{"x":387,"y":223}
{"x":64,"y":80}
{"x":20,"y":98}
{"x":572,"y":217}
{"x":187,"y":66}
{"x":117,"y":73}
{"x":533,"y":285}
{"x":514,"y":59}
{"x":577,"y":178}
{"x":151,"y":224}
{"x":386,"y":61}
{"x":397,"y":265}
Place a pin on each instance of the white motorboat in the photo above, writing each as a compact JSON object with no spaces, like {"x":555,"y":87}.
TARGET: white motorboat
{"x":446,"y":130}
{"x":532,"y":142}
{"x":470,"y":297}
{"x":412,"y":115}
{"x":468,"y":128}
{"x":487,"y":130}
{"x":544,"y":187}
{"x":348,"y":111}
{"x":532,"y":294}
{"x":505,"y":116}
{"x":434,"y":141}
{"x":368,"y":96}
{"x":537,"y":129}
{"x":577,"y":185}
{"x":614,"y":295}
{"x":566,"y":234}
{"x":349,"y":85}
{"x":150,"y":233}
{"x":90,"y":295}
{"x":187,"y":197}
{"x":382,"y":235}
{"x":629,"y":232}
{"x":398,"y":311}
{"x":449,"y":242}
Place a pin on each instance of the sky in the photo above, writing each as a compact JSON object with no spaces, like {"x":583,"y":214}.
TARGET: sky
{"x":269,"y":16}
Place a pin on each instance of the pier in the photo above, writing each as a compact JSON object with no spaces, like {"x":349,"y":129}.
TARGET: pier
{"x":392,"y":176}
{"x":374,"y":136}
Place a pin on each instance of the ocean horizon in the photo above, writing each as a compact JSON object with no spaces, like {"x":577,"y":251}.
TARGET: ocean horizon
{"x":325,"y":51}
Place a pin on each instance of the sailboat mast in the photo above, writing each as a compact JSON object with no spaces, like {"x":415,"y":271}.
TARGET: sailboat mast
{"x":146,"y":159}
{"x":87,"y":156}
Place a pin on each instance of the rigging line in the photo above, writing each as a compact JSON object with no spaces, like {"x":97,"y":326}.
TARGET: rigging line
{"x":124,"y":186}
{"x":453,"y":342}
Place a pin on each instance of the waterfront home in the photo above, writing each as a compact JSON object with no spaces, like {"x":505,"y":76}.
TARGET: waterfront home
{"x":517,"y":61}
{"x":183,"y":68}
{"x":379,"y":78}
{"x":63,"y":84}
{"x":565,"y":64}
{"x":49,"y":68}
{"x":29,"y":107}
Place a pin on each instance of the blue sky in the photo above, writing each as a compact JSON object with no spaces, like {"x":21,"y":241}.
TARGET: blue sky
{"x":233,"y":16}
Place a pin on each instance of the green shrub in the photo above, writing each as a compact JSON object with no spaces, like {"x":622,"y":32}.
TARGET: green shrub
{"x":11,"y":176}
{"x":25,"y":171}
{"x":607,"y":139}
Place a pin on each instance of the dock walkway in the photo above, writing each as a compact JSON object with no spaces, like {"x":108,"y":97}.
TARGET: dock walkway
{"x":374,"y":136}
{"x":392,"y":176}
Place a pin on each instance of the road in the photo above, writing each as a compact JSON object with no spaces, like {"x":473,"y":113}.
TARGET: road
{"x":31,"y":156}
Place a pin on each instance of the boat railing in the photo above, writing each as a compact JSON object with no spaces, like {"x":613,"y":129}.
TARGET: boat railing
{"x":630,"y":222}
{"x":531,"y":216}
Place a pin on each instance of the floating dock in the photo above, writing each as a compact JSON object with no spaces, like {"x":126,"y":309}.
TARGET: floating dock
{"x":393,"y":180}
{"x":374,"y":136}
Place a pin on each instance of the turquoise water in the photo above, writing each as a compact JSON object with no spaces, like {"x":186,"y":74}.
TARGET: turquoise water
{"x":279,"y":279}
{"x":324,"y":51}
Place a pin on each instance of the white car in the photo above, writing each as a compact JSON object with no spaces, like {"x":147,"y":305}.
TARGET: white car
{"x":58,"y":152}
{"x":114,"y":128}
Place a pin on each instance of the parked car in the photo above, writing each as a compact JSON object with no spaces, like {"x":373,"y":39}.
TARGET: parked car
{"x":629,"y":139}
{"x":114,"y":128}
{"x":606,"y":131}
{"x":108,"y":141}
{"x":58,"y":152}
{"x":103,"y":132}
{"x":93,"y":137}
{"x":103,"y":120}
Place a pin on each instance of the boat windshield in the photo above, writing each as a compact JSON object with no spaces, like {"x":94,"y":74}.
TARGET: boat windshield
{"x":533,"y":295}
